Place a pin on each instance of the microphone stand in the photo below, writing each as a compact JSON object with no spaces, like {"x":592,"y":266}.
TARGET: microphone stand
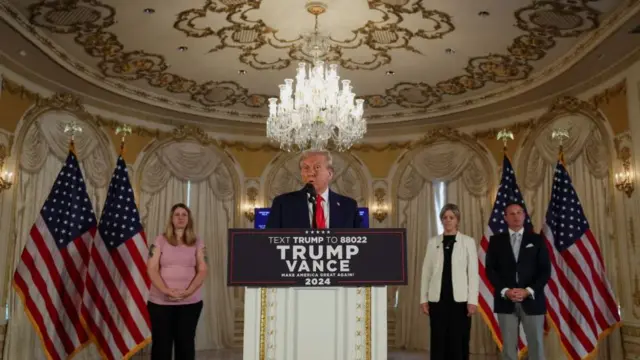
{"x":312,"y":200}
{"x":311,"y":193}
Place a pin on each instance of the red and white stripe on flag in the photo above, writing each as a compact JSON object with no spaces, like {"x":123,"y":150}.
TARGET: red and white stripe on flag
{"x":117,"y":284}
{"x":49,"y":275}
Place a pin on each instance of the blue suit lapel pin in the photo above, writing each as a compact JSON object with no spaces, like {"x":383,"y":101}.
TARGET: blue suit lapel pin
{"x":338,"y":203}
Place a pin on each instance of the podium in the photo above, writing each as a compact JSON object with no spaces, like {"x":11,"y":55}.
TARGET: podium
{"x":316,"y":294}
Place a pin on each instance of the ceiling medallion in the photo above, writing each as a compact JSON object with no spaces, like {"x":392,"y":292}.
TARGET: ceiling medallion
{"x":316,"y":114}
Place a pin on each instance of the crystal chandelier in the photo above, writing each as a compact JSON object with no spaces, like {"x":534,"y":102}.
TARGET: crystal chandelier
{"x":316,"y":113}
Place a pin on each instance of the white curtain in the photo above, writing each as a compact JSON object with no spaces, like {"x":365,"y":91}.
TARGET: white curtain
{"x":164,"y":179}
{"x":587,"y":162}
{"x":475,"y":208}
{"x":42,"y":155}
{"x":468,"y":184}
{"x":6,"y":221}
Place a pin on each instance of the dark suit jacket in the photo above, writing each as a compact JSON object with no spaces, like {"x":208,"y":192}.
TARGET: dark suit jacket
{"x":291,"y":210}
{"x":533,"y":267}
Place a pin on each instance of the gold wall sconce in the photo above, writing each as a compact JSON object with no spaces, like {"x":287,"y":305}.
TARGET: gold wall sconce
{"x":380,"y":212}
{"x":249,"y":212}
{"x":624,"y":178}
{"x":5,"y":176}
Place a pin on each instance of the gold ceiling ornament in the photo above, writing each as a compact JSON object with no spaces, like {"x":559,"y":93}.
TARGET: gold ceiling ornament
{"x":252,"y":37}
{"x":16,"y":89}
{"x":183,"y":132}
{"x":6,"y":177}
{"x":559,"y":106}
{"x":607,"y":94}
{"x":544,"y":23}
{"x":65,"y":101}
{"x":450,"y":134}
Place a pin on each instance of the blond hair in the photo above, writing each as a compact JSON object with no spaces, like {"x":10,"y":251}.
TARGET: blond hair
{"x":189,"y":238}
{"x":450,"y":207}
{"x":309,"y":153}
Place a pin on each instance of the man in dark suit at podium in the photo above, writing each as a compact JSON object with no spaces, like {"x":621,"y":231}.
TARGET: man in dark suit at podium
{"x":315,"y":205}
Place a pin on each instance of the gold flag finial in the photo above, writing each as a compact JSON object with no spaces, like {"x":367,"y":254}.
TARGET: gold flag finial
{"x":560,"y":135}
{"x":124,"y":130}
{"x":72,"y":128}
{"x":505,"y":135}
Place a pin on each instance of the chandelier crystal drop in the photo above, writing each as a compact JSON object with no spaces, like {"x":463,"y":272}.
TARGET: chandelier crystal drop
{"x":316,"y":113}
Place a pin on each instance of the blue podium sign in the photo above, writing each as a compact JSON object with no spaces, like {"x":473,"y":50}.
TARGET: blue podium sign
{"x":308,"y":257}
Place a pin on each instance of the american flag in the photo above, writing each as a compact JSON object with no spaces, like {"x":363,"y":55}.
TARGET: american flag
{"x":117,"y":285}
{"x":49,"y":276}
{"x":507,"y":192}
{"x":580,"y":301}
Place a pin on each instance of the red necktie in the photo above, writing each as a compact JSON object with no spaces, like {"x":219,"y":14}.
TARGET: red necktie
{"x":320,"y":221}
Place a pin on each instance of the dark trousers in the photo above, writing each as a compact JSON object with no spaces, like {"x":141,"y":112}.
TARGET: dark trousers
{"x":450,"y":331}
{"x":173,"y":327}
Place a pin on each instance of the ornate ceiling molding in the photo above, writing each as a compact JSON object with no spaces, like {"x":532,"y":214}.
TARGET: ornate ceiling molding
{"x":418,"y":100}
{"x":561,"y":105}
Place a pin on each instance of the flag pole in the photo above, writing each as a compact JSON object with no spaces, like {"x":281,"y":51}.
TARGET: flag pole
{"x":125,"y":130}
{"x":72,"y":128}
{"x":560,"y":134}
{"x":505,"y":135}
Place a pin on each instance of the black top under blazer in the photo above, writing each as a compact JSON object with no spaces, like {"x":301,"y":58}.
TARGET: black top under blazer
{"x":533,"y":267}
{"x":291,"y":211}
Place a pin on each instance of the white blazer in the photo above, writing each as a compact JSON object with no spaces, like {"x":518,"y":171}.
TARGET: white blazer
{"x":464,"y":270}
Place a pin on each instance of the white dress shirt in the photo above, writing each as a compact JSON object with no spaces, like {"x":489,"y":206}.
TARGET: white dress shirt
{"x":325,"y":207}
{"x":521,"y":232}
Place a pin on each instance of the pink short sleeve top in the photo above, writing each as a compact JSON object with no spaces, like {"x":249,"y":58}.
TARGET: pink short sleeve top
{"x":177,"y":270}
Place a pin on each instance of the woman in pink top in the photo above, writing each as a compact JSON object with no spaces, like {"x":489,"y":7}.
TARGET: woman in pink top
{"x":177,"y":268}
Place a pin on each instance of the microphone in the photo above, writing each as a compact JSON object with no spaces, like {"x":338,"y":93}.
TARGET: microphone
{"x":309,"y":189}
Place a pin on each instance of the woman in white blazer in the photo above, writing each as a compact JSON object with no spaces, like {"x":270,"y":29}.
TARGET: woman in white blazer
{"x":449,"y":288}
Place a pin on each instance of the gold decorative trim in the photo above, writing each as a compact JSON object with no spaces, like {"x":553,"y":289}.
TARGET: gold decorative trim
{"x":562,"y":103}
{"x":430,"y":138}
{"x":605,"y":96}
{"x":636,"y":296}
{"x":264,"y":314}
{"x":559,"y":106}
{"x":496,"y":68}
{"x":367,"y":323}
{"x":182,"y":131}
{"x":263,"y":324}
{"x":631,"y":331}
{"x":450,"y":134}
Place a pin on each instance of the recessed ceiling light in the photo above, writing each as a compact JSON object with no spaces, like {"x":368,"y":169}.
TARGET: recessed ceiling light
{"x":450,"y":51}
{"x":149,"y":11}
{"x":242,"y":72}
{"x":183,"y":48}
{"x":483,"y":13}
{"x":390,"y":72}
